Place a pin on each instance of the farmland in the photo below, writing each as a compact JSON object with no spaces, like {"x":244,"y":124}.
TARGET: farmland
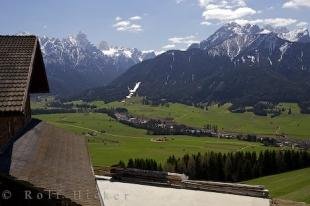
{"x":294,"y":125}
{"x":110,"y":141}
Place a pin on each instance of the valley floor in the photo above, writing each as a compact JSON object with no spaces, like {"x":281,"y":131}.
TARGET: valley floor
{"x":295,"y":125}
{"x":110,"y":141}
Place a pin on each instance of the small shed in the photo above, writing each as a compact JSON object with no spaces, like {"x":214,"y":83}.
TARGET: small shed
{"x":22,"y":72}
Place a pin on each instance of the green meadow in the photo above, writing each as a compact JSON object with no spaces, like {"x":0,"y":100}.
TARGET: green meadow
{"x":110,"y":141}
{"x":294,"y":185}
{"x":295,"y":125}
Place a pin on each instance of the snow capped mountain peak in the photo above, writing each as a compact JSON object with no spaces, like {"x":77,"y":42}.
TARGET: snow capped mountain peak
{"x":278,"y":30}
{"x":78,"y":49}
{"x":86,"y":64}
{"x":122,"y":52}
{"x":74,"y":49}
{"x":298,"y":35}
{"x":112,"y":52}
{"x":232,"y":38}
{"x":72,"y":40}
{"x":229,"y":40}
{"x":128,"y":53}
{"x":265,"y":31}
{"x":242,"y":29}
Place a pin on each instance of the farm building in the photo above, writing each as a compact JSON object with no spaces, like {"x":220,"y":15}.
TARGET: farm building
{"x":39,"y":163}
{"x":21,"y":73}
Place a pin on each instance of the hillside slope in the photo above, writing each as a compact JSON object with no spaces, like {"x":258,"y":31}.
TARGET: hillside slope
{"x":293,"y":185}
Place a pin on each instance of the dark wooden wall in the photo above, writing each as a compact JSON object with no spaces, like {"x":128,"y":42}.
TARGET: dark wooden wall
{"x":12,"y":123}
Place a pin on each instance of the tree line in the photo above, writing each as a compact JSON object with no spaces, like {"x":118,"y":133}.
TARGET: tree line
{"x":143,"y":164}
{"x":228,"y":167}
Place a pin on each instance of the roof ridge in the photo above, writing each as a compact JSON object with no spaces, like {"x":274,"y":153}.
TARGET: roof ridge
{"x":20,"y":59}
{"x":26,"y":94}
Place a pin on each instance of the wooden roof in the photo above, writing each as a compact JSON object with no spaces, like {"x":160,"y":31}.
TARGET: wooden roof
{"x":54,"y":160}
{"x":22,"y":71}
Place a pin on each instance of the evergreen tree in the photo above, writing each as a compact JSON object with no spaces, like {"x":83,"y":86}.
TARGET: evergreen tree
{"x":130,"y":163}
{"x":232,"y":167}
{"x":228,"y":168}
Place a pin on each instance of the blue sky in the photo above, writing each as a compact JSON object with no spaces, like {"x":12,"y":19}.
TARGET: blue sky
{"x":146,"y":24}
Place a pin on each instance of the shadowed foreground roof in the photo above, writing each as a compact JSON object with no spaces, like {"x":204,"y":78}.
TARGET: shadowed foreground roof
{"x":22,"y":71}
{"x":52,"y":159}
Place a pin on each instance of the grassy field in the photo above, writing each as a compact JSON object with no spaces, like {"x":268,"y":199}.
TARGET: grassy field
{"x":293,"y":185}
{"x":294,"y":125}
{"x":110,"y":141}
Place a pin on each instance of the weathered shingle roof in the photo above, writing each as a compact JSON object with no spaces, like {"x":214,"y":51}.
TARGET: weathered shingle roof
{"x":21,"y":70}
{"x":50,"y":158}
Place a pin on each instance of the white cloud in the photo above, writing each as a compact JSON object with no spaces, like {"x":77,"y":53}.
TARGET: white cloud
{"x":122,"y":24}
{"x":134,"y":18}
{"x":225,"y":10}
{"x":169,"y":46}
{"x":227,"y":14}
{"x":245,"y":21}
{"x":223,"y":3}
{"x":179,"y":1}
{"x":157,"y":52}
{"x":206,"y":23}
{"x":118,"y":18}
{"x":276,"y":22}
{"x":148,"y":51}
{"x":295,"y":4}
{"x":183,"y":40}
{"x":180,"y":42}
{"x":128,"y":25}
{"x":280,"y":22}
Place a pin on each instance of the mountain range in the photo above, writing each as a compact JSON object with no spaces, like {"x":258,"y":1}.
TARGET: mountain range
{"x":74,"y":64}
{"x":238,"y":64}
